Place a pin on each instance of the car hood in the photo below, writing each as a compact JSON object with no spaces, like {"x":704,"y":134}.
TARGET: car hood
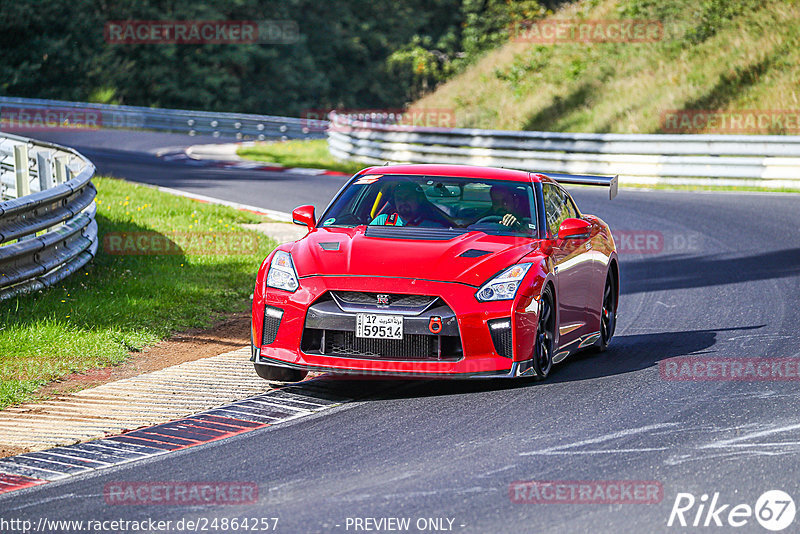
{"x":470,"y":258}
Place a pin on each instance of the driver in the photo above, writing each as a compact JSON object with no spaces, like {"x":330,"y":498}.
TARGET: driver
{"x":506,"y":204}
{"x":413,"y":209}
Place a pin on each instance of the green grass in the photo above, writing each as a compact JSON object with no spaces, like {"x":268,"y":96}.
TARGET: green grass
{"x":123,"y":303}
{"x":312,"y":154}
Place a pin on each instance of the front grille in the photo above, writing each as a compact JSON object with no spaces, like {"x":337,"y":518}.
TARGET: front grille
{"x":371,"y":299}
{"x":411,"y":347}
{"x":500,"y":329}
{"x":331,"y":322}
{"x":272,"y":320}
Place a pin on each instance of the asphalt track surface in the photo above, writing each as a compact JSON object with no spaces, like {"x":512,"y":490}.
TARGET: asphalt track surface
{"x":725,"y":283}
{"x":133,"y":155}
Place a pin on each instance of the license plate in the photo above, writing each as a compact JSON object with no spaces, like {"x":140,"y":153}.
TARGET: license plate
{"x":379,"y":326}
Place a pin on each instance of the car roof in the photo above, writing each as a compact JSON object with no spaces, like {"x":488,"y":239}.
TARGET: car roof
{"x":461,"y":171}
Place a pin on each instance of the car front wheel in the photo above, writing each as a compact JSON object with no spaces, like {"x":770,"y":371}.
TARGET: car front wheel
{"x":545,"y":334}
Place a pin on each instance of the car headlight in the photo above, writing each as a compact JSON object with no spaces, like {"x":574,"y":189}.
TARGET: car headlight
{"x":504,"y":286}
{"x":281,"y":273}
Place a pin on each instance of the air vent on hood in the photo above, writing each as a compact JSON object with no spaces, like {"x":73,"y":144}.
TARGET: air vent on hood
{"x":415,"y":233}
{"x":473,"y":253}
{"x":329,"y":245}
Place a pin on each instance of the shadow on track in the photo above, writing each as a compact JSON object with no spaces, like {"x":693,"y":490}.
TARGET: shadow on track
{"x":683,"y":272}
{"x":625,"y":355}
{"x":635,"y":352}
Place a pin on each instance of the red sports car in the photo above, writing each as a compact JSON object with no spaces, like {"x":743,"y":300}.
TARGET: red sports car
{"x":440,"y":271}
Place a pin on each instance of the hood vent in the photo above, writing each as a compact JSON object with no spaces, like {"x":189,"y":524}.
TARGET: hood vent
{"x":473,"y":253}
{"x":329,"y":245}
{"x":415,"y":233}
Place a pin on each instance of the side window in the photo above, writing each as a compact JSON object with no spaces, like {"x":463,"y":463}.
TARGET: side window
{"x":555,"y":207}
{"x":572,"y":210}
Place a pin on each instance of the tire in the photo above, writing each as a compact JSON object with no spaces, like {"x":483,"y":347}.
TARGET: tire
{"x":545,"y":336}
{"x":608,"y":314}
{"x":280,"y":375}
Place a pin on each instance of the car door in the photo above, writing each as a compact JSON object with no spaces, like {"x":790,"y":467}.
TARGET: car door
{"x":595,"y":274}
{"x":572,"y":266}
{"x":593,"y":285}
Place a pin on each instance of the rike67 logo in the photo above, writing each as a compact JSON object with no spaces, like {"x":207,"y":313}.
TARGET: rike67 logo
{"x":774,"y":510}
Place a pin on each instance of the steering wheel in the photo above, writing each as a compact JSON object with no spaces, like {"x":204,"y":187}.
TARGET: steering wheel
{"x":489,"y":219}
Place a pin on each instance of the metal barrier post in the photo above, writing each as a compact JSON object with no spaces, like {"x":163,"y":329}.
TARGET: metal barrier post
{"x":21,"y":170}
{"x":44,"y":163}
{"x":61,"y":170}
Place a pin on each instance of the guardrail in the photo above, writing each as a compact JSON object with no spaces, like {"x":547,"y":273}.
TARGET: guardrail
{"x":761,"y":160}
{"x":32,"y":113}
{"x":47,"y":214}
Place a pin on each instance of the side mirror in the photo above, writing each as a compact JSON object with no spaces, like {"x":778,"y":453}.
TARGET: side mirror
{"x":304,"y":215}
{"x":574,"y":229}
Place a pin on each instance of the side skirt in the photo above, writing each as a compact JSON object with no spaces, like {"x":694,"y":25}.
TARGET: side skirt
{"x":571,"y":348}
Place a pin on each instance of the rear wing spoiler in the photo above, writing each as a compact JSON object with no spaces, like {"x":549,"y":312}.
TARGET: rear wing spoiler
{"x":587,"y":179}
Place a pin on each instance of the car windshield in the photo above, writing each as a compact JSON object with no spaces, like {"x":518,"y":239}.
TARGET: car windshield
{"x":490,"y":206}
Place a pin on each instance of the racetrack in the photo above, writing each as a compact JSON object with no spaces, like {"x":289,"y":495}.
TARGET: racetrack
{"x":132,"y":155}
{"x":725,"y":283}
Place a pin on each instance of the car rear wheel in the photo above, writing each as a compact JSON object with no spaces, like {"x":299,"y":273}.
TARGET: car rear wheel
{"x":281,"y":375}
{"x":545,"y":334}
{"x":608,"y":314}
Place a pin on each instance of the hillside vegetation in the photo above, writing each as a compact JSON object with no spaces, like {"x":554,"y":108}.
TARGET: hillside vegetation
{"x":714,"y":55}
{"x":344,"y":54}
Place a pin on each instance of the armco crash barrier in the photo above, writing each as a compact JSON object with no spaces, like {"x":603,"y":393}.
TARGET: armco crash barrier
{"x":22,"y":114}
{"x":47,"y":214}
{"x":701,"y":159}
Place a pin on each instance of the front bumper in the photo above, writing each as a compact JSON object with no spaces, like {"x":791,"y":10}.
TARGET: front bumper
{"x":517,"y":369}
{"x":469,"y":350}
